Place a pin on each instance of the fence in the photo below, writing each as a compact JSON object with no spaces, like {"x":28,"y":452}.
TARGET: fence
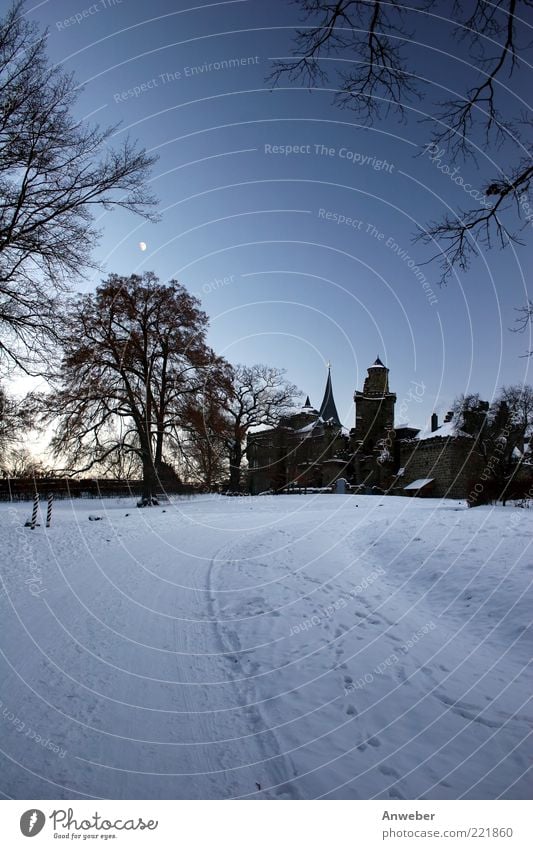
{"x":23,"y":489}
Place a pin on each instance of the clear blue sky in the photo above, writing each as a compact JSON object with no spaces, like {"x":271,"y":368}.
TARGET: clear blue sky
{"x":246,"y":228}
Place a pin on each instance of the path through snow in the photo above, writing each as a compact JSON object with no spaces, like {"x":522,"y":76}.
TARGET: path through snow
{"x":272,"y":647}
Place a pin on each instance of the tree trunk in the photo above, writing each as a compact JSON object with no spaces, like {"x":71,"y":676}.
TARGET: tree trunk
{"x":209,"y":469}
{"x":149,"y":484}
{"x":235,"y":459}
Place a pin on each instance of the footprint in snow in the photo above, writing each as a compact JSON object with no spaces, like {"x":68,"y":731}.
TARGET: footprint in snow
{"x":374,"y":742}
{"x":286,"y":791}
{"x":402,"y":675}
{"x":351,"y":710}
{"x":395,"y":794}
{"x":388,"y":770}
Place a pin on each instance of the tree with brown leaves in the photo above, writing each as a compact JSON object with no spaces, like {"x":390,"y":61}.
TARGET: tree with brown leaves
{"x":134,"y":351}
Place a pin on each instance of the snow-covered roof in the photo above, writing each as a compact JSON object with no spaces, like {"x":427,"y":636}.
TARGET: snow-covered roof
{"x":260,"y":428}
{"x":307,"y":428}
{"x":301,"y":411}
{"x":419,"y":484}
{"x":446,"y":429}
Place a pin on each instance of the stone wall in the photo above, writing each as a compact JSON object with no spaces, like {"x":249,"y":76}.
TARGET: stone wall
{"x":374,"y":418}
{"x":453,"y":463}
{"x":279,"y":457}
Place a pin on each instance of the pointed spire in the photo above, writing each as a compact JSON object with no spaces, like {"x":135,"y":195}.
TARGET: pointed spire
{"x":379,"y":363}
{"x":307,"y":402}
{"x":328,"y":410}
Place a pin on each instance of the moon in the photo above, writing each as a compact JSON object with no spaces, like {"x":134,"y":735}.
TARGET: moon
{"x":142,"y":246}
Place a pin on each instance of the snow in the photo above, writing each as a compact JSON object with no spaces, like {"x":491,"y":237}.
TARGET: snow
{"x":260,"y":428}
{"x":279,"y":647}
{"x":446,"y":429}
{"x":419,"y":484}
{"x":307,"y":428}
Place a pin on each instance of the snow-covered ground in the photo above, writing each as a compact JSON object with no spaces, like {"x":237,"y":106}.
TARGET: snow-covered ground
{"x":274,"y":647}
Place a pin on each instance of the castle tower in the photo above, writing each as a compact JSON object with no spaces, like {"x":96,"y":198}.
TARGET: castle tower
{"x":374,"y":408}
{"x":328,"y":410}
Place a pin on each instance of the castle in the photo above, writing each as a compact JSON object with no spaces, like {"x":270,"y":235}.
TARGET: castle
{"x":310,"y":449}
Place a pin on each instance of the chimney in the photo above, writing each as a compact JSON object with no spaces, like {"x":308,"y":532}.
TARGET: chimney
{"x":449,"y":416}
{"x":434,"y":422}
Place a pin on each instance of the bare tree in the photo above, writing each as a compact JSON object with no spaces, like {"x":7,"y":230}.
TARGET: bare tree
{"x":20,"y":463}
{"x":55,"y":173}
{"x":374,"y":34}
{"x":259,"y":395}
{"x":377,"y":78}
{"x":205,"y":429}
{"x":14,"y":423}
{"x":134,"y":350}
{"x":501,"y":430}
{"x":524,"y":320}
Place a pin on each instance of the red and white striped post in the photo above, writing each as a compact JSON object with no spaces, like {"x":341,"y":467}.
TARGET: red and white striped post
{"x":34,"y":511}
{"x":49,"y":509}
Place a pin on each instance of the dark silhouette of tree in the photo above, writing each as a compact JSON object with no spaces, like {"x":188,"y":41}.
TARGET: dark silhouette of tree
{"x":55,"y":173}
{"x":134,"y":351}
{"x":15,"y":421}
{"x":206,"y":429}
{"x":378,"y":77}
{"x":259,"y":395}
{"x":20,"y":463}
{"x":524,"y":320}
{"x":501,"y":431}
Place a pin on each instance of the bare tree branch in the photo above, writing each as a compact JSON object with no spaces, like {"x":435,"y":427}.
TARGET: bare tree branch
{"x":54,"y":173}
{"x":372,"y":36}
